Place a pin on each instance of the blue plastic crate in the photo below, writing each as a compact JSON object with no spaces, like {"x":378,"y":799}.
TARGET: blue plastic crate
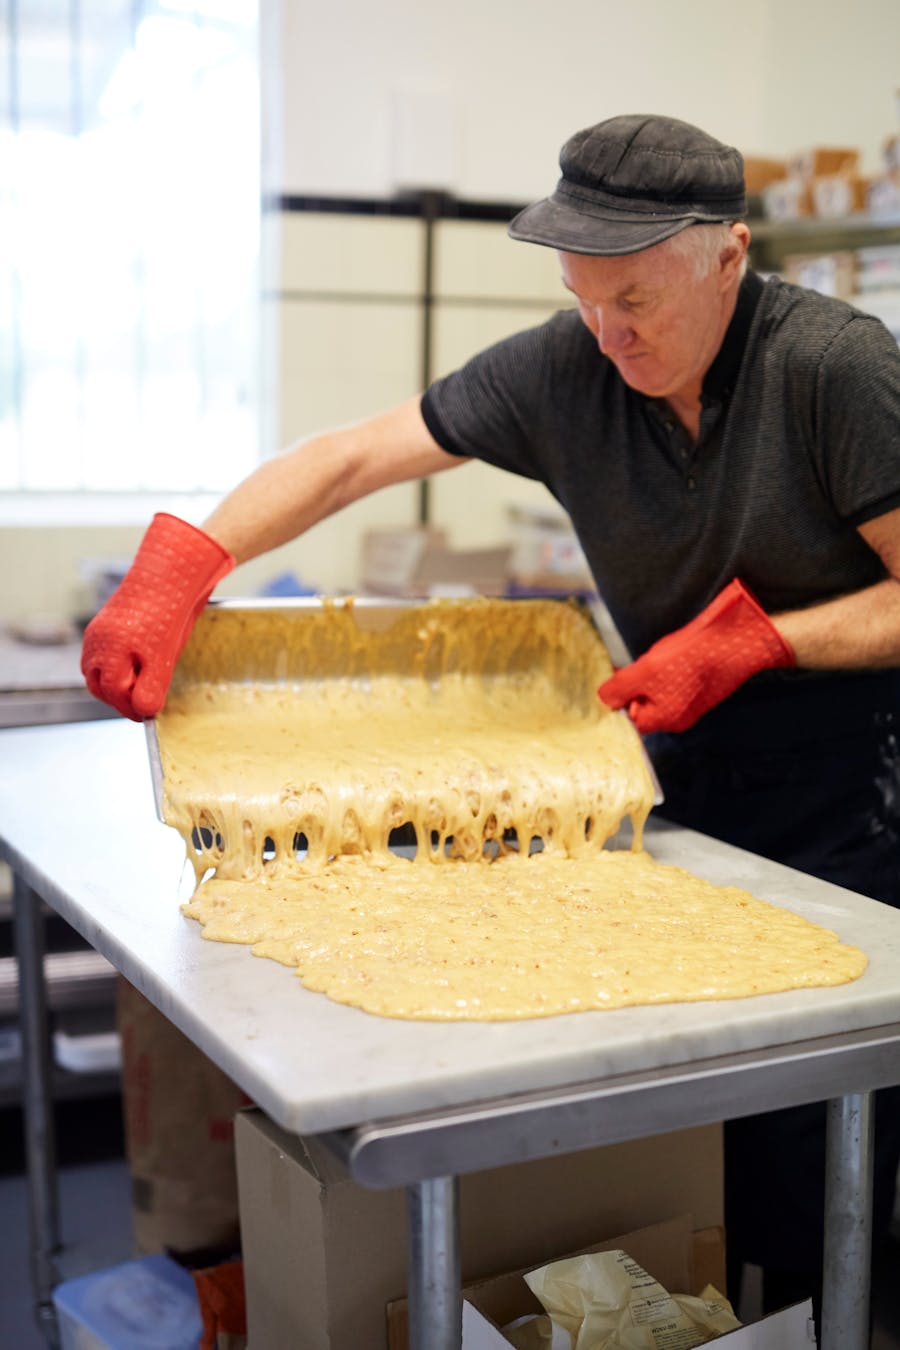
{"x":147,"y":1304}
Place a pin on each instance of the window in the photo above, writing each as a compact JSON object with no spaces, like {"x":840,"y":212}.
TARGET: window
{"x":129,"y":241}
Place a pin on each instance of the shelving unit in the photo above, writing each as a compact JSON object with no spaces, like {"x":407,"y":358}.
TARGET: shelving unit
{"x":81,"y":1002}
{"x":38,"y":687}
{"x":773,"y":241}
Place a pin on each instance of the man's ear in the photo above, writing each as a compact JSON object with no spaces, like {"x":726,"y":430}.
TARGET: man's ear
{"x":733,"y":254}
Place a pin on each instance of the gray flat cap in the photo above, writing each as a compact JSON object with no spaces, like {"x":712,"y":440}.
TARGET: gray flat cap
{"x":632,"y":181}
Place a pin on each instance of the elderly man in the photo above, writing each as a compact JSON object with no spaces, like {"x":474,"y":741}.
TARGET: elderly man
{"x":728,"y":452}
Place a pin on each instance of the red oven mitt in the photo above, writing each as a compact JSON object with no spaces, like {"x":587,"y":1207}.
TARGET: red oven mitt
{"x":691,"y":670}
{"x":131,"y":646}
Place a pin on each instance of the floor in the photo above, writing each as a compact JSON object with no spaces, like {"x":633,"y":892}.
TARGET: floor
{"x":94,"y":1205}
{"x":96,"y":1221}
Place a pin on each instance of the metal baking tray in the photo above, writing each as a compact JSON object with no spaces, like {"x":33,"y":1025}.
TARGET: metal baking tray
{"x":244,"y":663}
{"x":372,"y":612}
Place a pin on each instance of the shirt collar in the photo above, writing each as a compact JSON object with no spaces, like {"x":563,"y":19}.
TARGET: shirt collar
{"x":720,"y":379}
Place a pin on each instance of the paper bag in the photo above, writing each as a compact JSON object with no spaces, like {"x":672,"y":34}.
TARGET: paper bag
{"x":179,"y":1138}
{"x":606,"y":1301}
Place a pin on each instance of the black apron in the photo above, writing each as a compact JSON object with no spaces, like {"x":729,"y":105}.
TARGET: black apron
{"x":803,"y":769}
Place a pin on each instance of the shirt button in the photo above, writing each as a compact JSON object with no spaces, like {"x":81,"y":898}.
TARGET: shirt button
{"x":684,"y":452}
{"x":692,"y":484}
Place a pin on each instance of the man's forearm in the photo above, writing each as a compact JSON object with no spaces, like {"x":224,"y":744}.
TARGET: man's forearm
{"x":288,"y":494}
{"x":858,"y":631}
{"x":279,"y":500}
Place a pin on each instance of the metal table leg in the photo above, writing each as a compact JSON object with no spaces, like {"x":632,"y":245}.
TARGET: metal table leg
{"x":40,"y":1142}
{"x":848,"y":1222}
{"x":435,"y":1300}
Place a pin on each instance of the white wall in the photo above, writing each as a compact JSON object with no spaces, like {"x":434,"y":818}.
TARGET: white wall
{"x":478,"y":96}
{"x":831,"y":75}
{"x":350,"y":88}
{"x":508,"y":80}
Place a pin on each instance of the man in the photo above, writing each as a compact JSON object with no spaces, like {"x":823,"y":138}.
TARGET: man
{"x":727,"y":450}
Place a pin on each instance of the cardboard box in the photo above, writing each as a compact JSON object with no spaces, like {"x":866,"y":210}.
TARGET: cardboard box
{"x":789,"y":199}
{"x":829,"y":273}
{"x":791,"y":1329}
{"x":891,"y":153}
{"x":546,"y":554}
{"x":179,"y":1111}
{"x":681,"y":1260}
{"x":823,"y":159}
{"x":418,"y":563}
{"x":665,"y":1250}
{"x":390,"y":558}
{"x":878,"y":267}
{"x":759,"y":173}
{"x":838,"y":194}
{"x":323,"y":1256}
{"x":883,"y":195}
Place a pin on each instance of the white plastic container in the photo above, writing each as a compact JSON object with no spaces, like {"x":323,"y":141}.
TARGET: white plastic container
{"x":146,"y":1304}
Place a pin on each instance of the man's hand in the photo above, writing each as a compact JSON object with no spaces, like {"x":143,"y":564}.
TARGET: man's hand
{"x":691,"y":670}
{"x":131,"y":646}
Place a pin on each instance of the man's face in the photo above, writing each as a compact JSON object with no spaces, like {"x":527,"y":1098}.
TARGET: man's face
{"x":657,"y":321}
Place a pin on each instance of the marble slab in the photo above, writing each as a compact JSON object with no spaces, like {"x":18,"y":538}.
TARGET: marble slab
{"x":77,"y":820}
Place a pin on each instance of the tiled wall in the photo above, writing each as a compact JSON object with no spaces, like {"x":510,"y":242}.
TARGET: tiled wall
{"x":348,"y":315}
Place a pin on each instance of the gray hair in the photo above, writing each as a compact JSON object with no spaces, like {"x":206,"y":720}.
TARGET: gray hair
{"x":703,"y":245}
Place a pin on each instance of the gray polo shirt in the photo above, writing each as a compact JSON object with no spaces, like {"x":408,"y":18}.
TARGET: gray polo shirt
{"x":799,"y":443}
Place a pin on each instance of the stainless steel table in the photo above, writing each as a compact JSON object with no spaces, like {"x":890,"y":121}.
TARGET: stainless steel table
{"x":416,"y":1104}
